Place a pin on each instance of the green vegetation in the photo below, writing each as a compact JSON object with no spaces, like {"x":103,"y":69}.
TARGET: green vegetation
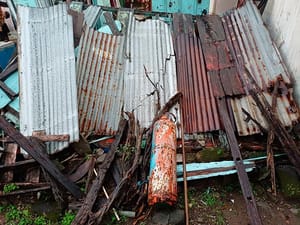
{"x":9,"y":188}
{"x":126,"y":151}
{"x":23,"y":216}
{"x":68,"y":218}
{"x":211,"y":198}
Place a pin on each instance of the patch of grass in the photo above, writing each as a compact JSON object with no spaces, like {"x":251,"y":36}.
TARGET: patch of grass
{"x":9,"y":188}
{"x":211,"y":198}
{"x":220,"y":219}
{"x":15,"y":216}
{"x":68,"y":218}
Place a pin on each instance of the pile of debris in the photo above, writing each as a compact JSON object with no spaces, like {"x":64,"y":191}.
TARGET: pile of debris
{"x":107,"y":95}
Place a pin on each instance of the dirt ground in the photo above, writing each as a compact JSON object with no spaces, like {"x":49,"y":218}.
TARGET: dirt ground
{"x":219,"y":201}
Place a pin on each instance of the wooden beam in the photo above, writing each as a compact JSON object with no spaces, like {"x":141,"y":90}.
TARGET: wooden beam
{"x":38,"y":154}
{"x":10,"y":158}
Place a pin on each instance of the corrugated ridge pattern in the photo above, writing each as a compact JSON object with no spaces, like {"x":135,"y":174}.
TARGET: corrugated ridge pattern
{"x":286,"y":111}
{"x":48,"y":97}
{"x":258,"y":51}
{"x":149,"y":44}
{"x":100,"y":82}
{"x":200,"y":113}
{"x":91,"y":15}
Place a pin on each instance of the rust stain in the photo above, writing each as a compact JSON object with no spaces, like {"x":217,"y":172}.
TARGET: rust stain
{"x":163,"y":180}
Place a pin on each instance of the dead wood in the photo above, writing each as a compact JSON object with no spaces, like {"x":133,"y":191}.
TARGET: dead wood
{"x":85,"y":212}
{"x":98,"y":216}
{"x":10,"y":158}
{"x":20,"y":192}
{"x":270,"y":154}
{"x":36,"y":151}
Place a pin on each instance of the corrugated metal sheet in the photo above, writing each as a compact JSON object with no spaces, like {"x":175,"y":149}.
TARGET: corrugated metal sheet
{"x":148,"y":47}
{"x":252,"y":41}
{"x":286,"y":110}
{"x":92,"y":15}
{"x":251,"y":46}
{"x":282,"y":19}
{"x":100,"y":82}
{"x":48,"y":96}
{"x":200,"y":112}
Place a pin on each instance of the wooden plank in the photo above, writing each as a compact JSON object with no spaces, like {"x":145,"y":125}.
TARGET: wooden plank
{"x":11,"y":94}
{"x":10,"y":158}
{"x":42,"y":136}
{"x":240,"y":166}
{"x":17,"y":165}
{"x":211,"y":56}
{"x":38,"y":154}
{"x":25,"y":191}
{"x":214,"y":27}
{"x":33,"y":175}
{"x":12,"y":68}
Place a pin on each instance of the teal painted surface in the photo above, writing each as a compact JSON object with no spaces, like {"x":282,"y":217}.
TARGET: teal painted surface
{"x":102,"y":2}
{"x":194,"y":7}
{"x":13,"y":83}
{"x":15,"y":104}
{"x":214,"y":165}
{"x":31,"y":3}
{"x":106,"y":29}
{"x":6,"y":52}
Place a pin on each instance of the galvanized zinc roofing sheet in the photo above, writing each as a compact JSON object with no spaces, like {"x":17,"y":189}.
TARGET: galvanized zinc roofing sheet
{"x":100,"y":82}
{"x":149,"y":50}
{"x":253,"y":45}
{"x":48,"y":96}
{"x":91,"y":15}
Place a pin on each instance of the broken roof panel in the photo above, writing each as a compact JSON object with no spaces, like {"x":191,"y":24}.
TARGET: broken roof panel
{"x":92,"y":15}
{"x":251,"y":43}
{"x":48,"y":97}
{"x":100,"y":82}
{"x":149,"y":68}
{"x":200,"y":112}
{"x":286,"y":111}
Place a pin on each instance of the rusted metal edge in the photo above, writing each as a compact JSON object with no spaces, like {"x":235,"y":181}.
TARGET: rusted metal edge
{"x":252,"y":210}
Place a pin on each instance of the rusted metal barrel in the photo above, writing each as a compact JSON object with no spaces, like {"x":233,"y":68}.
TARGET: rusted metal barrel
{"x":162,"y":181}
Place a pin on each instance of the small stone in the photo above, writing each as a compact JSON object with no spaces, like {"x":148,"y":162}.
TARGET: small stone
{"x":295,"y":211}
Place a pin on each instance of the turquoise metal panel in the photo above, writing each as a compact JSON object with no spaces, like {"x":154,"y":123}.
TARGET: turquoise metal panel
{"x":6,"y":51}
{"x":15,"y":104}
{"x":13,"y":83}
{"x":194,"y":7}
{"x":31,"y":3}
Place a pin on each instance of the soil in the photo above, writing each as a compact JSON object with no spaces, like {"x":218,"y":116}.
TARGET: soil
{"x":230,"y":208}
{"x":219,"y":201}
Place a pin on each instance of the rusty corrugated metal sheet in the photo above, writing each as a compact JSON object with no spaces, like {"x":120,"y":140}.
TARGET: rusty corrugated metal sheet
{"x":148,"y":47}
{"x":286,"y":110}
{"x":100,"y":81}
{"x":253,"y":46}
{"x":200,"y":112}
{"x":48,"y":97}
{"x":282,"y":19}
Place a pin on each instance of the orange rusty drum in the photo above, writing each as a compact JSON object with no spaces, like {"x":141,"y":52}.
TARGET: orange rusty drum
{"x":162,"y":180}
